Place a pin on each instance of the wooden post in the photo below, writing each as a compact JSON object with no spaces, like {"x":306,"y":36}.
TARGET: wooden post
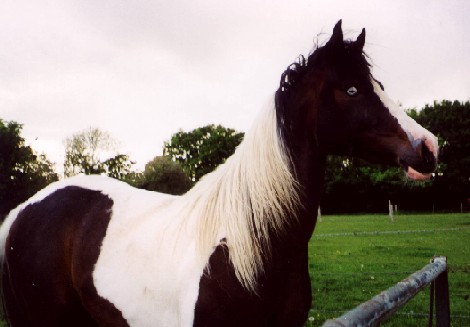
{"x":319,"y":214}
{"x":390,"y":210}
{"x":441,"y":299}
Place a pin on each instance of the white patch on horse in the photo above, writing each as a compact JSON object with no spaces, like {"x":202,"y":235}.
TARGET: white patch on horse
{"x":148,"y":266}
{"x":413,"y":130}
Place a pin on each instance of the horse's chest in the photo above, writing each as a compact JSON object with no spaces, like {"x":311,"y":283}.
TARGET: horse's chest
{"x":283,"y":299}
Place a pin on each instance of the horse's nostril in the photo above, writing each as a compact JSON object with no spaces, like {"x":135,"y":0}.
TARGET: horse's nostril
{"x":429,"y":160}
{"x":426,"y":153}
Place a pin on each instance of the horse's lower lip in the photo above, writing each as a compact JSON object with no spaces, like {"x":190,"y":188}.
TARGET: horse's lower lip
{"x":415,"y":175}
{"x":412,"y":173}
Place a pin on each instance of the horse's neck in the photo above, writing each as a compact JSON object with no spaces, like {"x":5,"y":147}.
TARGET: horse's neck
{"x":299,"y":134}
{"x":310,"y":171}
{"x":292,"y":247}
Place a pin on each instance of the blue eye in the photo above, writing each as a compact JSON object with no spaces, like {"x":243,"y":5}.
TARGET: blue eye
{"x":352,"y":91}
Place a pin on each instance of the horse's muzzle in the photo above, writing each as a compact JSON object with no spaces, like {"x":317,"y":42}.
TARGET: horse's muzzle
{"x":420,"y":160}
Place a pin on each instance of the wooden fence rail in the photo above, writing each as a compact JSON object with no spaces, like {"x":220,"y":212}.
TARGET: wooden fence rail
{"x":385,"y":304}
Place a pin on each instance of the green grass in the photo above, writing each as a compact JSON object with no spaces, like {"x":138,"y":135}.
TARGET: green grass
{"x":353,"y":258}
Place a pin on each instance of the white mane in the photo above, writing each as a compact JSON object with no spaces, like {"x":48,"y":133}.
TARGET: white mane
{"x":245,"y":199}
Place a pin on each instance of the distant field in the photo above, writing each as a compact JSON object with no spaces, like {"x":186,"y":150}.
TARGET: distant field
{"x":353,"y":258}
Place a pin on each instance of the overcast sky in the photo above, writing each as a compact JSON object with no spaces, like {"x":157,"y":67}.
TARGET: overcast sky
{"x":142,"y":70}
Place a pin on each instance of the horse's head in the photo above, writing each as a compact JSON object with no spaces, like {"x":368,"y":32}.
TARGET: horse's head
{"x":345,"y":111}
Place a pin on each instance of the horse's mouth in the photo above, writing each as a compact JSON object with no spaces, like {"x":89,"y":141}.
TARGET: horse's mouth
{"x":419,"y":165}
{"x":415,"y":175}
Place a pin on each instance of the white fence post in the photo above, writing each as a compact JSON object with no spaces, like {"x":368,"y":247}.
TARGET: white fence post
{"x":390,"y":210}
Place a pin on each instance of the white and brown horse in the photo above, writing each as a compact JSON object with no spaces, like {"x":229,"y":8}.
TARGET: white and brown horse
{"x":92,"y":251}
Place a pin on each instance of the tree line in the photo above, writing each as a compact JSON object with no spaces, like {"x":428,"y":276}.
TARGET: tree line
{"x":351,"y":185}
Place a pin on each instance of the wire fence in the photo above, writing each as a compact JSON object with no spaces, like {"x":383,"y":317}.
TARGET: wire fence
{"x":392,"y":232}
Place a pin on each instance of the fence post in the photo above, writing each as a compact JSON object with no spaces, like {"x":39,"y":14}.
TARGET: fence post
{"x":432,"y":295}
{"x":441,"y":293}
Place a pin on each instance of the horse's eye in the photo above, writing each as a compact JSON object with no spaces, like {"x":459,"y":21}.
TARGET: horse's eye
{"x":352,"y":91}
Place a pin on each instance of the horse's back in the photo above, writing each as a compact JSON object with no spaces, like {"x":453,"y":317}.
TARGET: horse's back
{"x":51,"y":244}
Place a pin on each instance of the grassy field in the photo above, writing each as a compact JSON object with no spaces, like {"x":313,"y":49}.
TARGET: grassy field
{"x":353,"y":258}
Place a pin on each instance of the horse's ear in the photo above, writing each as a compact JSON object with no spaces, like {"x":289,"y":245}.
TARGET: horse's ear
{"x":361,"y":40}
{"x":337,"y":37}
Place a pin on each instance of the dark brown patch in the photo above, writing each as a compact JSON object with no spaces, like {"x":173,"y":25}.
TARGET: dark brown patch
{"x":283,"y":297}
{"x":51,"y":250}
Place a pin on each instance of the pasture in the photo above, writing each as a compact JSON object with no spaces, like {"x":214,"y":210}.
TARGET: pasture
{"x":353,"y":258}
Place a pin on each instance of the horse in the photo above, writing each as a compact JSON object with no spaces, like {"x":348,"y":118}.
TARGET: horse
{"x":232,"y":251}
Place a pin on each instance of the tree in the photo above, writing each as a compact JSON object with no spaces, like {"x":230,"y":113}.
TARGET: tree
{"x":354,"y":185}
{"x":163,"y":175}
{"x":22,"y":172}
{"x":203,"y":149}
{"x":93,"y":151}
